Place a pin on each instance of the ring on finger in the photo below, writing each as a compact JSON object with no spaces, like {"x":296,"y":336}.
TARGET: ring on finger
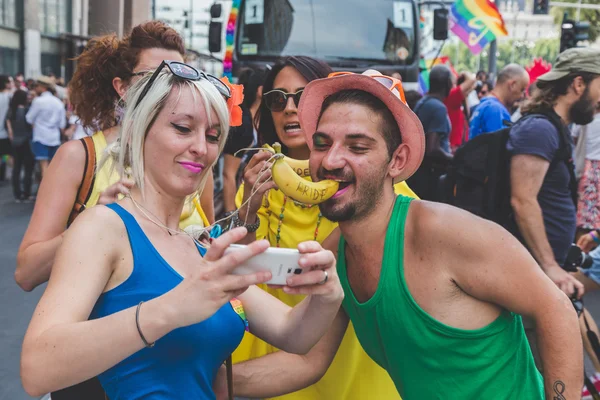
{"x":324,"y":281}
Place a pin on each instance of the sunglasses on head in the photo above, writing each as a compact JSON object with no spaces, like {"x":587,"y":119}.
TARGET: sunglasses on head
{"x":186,"y":72}
{"x":276,"y":100}
{"x":393,"y":84}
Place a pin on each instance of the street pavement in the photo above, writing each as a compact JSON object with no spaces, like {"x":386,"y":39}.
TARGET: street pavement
{"x":16,"y":306}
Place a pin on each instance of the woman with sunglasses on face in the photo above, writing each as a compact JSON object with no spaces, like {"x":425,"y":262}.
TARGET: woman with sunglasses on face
{"x":104,"y":71}
{"x":160,"y":318}
{"x":285,"y":223}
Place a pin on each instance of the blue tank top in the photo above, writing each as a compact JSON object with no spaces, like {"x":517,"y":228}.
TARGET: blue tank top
{"x":183,"y":363}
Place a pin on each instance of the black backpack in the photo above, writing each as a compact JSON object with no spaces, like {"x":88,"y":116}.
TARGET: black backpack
{"x":478,"y":180}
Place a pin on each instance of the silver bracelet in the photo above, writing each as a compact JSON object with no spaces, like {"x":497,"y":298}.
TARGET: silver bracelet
{"x":137,"y":323}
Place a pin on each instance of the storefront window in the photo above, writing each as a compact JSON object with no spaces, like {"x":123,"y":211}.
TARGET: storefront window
{"x":8,"y":13}
{"x":54,"y":16}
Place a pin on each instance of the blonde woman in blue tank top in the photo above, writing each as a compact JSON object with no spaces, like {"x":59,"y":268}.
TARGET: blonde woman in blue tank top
{"x":138,"y":302}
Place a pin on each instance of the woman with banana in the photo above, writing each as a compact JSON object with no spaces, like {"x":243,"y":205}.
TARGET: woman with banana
{"x":285,"y":222}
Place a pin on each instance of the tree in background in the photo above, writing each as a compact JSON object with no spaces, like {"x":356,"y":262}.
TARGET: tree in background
{"x":521,"y":52}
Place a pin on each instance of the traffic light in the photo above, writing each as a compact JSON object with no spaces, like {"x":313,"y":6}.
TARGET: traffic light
{"x":572,"y":33}
{"x":540,"y":6}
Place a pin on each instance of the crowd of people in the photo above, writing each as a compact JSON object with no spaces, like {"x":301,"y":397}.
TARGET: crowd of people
{"x":402,"y":296}
{"x":37,"y":118}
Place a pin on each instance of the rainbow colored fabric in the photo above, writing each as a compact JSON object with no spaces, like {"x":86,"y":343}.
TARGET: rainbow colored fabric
{"x":476,"y":23}
{"x":239,"y":310}
{"x":229,"y":39}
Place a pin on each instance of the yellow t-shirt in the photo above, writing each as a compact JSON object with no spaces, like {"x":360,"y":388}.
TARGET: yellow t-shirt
{"x":352,"y":375}
{"x":192,"y":213}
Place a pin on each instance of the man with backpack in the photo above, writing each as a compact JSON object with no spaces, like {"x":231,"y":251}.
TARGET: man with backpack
{"x":543,"y":187}
{"x":542,"y":181}
{"x":433,"y":114}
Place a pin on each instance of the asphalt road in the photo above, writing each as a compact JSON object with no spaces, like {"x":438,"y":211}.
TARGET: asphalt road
{"x":16,"y":306}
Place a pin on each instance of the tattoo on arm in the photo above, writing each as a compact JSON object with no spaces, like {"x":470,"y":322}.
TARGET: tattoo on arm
{"x":559,"y":389}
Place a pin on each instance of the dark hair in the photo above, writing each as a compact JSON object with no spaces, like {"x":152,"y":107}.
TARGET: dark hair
{"x":547,"y":93}
{"x":388,"y":125}
{"x":440,"y":80}
{"x":91,"y":91}
{"x":310,"y":68}
{"x":252,"y":79}
{"x":412,"y":98}
{"x":19,"y":98}
{"x":488,"y":83}
{"x":4,"y":81}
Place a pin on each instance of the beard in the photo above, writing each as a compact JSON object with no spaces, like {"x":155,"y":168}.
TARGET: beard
{"x":583,"y":110}
{"x":363,"y":201}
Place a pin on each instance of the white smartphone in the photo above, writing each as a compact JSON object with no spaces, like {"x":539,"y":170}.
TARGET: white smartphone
{"x":282,"y":263}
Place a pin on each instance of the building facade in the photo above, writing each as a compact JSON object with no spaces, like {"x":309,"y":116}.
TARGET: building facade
{"x":41,"y":37}
{"x":191,"y":19}
{"x":523,"y":25}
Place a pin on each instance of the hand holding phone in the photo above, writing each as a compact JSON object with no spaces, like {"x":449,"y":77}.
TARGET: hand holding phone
{"x":282,"y":263}
{"x":310,"y":270}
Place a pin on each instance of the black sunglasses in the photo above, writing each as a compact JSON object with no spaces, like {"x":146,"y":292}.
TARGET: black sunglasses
{"x":276,"y":100}
{"x":187,"y":72}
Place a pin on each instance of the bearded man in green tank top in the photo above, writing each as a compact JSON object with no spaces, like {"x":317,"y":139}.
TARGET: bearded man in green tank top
{"x":435,"y":294}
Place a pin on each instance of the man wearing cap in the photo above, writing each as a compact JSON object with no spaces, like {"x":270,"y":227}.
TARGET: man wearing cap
{"x":543,"y":184}
{"x":435,"y":293}
{"x":541,"y":180}
{"x":48,"y":117}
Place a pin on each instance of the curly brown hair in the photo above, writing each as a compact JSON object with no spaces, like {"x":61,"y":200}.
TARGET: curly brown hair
{"x":91,"y":91}
{"x":547,"y":93}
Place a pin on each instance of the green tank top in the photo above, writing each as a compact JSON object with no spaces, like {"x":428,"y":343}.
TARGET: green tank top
{"x":430,"y":360}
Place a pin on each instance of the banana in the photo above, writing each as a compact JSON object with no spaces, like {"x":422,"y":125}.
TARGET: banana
{"x":299,"y":166}
{"x":301,"y":190}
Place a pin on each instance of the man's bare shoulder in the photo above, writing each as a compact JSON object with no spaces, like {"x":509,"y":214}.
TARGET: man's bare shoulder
{"x":446,"y":229}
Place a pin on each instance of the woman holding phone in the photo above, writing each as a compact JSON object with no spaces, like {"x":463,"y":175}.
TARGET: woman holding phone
{"x":139,"y":302}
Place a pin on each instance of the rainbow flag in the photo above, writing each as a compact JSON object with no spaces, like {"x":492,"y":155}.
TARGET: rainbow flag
{"x":476,"y":23}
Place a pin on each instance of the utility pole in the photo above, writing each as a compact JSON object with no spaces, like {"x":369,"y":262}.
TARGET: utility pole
{"x":492,"y":52}
{"x":191,"y":23}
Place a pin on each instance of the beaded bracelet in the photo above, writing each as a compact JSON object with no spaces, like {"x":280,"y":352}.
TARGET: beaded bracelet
{"x":137,"y":323}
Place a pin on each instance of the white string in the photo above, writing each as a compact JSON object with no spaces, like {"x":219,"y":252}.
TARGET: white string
{"x":160,"y":224}
{"x":207,"y":229}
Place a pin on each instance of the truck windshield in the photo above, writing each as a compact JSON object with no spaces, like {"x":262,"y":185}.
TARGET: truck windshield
{"x":380,"y":31}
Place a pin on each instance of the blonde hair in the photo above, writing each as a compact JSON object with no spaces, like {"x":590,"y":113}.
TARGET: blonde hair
{"x":127,"y":152}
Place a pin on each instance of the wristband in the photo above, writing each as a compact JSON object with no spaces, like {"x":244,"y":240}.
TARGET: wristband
{"x":137,"y":323}
{"x":595,"y":236}
{"x":250,"y":227}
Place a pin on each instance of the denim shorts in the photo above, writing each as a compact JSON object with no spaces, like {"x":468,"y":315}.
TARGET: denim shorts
{"x":43,"y":152}
{"x":594,"y":271}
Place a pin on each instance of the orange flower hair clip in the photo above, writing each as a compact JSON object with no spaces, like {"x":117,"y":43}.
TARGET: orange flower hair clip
{"x":233,"y":103}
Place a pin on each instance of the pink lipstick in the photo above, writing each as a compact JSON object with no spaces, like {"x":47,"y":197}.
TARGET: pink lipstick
{"x":193,"y":167}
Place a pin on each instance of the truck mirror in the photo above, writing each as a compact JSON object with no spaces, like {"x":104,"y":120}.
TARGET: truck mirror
{"x":215,"y":10}
{"x":214,"y":37}
{"x":440,"y":24}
